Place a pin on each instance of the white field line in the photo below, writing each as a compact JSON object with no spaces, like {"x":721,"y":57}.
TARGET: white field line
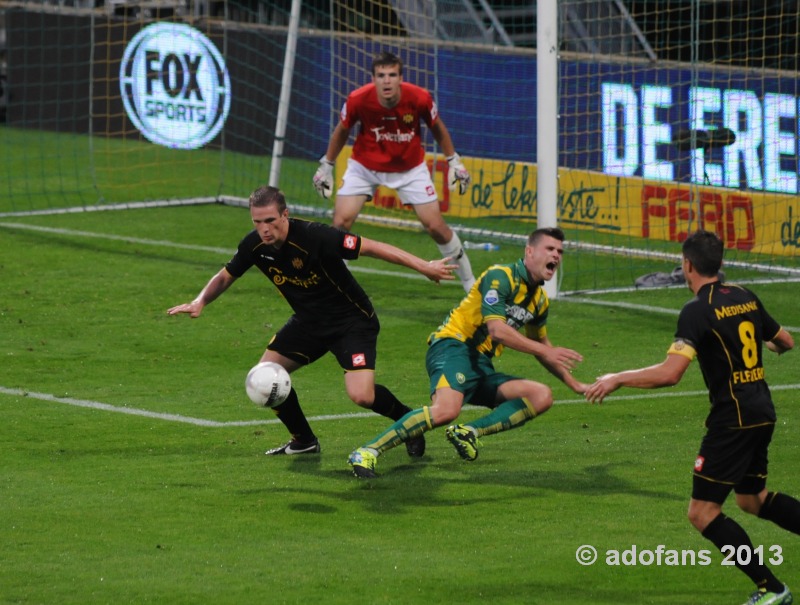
{"x":637,"y":307}
{"x":193,"y":247}
{"x":225,"y":251}
{"x":104,"y":407}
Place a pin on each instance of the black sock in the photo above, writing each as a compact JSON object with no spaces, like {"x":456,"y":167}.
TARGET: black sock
{"x":724,"y":531}
{"x":782,"y":510}
{"x":386,"y":404}
{"x":290,"y":414}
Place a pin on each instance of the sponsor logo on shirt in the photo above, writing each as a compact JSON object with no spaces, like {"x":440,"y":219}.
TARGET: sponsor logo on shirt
{"x":491,"y":297}
{"x":393,"y":137}
{"x":517,"y":316}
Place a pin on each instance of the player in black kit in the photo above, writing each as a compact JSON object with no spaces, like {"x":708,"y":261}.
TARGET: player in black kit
{"x":305,"y":261}
{"x":725,"y":326}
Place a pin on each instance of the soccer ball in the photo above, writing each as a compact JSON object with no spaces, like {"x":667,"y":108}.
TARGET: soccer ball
{"x":268,"y":384}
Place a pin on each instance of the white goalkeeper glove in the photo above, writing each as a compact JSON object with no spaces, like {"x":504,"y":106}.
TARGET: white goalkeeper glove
{"x":323,"y":178}
{"x":457,"y":174}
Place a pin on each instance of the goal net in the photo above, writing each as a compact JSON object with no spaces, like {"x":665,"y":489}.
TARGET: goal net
{"x":670,"y":116}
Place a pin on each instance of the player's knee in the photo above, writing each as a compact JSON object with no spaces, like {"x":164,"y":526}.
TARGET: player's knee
{"x":697,"y":519}
{"x":749,"y":503}
{"x":362,"y":398}
{"x":700,"y":514}
{"x":341,"y":222}
{"x":541,"y":397}
{"x":444,"y":414}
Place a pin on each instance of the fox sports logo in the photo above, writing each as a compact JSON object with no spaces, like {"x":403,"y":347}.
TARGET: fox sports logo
{"x":175,"y":86}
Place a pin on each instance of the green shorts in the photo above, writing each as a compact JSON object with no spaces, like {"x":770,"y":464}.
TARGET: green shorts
{"x":451,"y":363}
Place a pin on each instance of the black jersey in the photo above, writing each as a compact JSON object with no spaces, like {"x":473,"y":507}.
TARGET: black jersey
{"x":308,"y":270}
{"x":725,"y":326}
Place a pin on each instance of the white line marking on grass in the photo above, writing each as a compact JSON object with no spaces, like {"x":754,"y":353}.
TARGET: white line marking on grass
{"x":637,"y":307}
{"x":645,"y":394}
{"x":105,"y":407}
{"x":96,"y":405}
{"x":193,"y":247}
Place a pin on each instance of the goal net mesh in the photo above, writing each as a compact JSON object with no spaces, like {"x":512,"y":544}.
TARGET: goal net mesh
{"x":671,"y":116}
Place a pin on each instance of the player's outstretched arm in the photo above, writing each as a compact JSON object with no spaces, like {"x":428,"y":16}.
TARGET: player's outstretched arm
{"x":216,"y":286}
{"x":559,"y":361}
{"x":667,"y":373}
{"x":435,"y":270}
{"x":781,"y":343}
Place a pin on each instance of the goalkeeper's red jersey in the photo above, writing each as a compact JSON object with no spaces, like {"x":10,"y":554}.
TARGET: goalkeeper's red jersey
{"x":389,"y":140}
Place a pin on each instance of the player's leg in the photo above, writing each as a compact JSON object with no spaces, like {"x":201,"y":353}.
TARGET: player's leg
{"x":295,"y":345}
{"x":416,"y":188}
{"x":514,"y":401}
{"x":517,"y":401}
{"x":444,"y":361}
{"x":358,"y":187}
{"x":362,"y":336}
{"x":446,"y":406}
{"x":752,"y":495}
{"x":303,"y":440}
{"x":346,"y":210}
{"x":780,"y":508}
{"x":723,"y":462}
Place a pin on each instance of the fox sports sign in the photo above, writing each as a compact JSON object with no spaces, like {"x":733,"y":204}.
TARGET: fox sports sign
{"x":175,"y":86}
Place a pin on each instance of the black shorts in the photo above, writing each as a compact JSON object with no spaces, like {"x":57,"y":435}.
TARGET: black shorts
{"x":732,"y":459}
{"x":354,"y":344}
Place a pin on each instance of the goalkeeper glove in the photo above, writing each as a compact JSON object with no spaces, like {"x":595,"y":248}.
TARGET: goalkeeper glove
{"x":457,"y":174}
{"x":323,"y":178}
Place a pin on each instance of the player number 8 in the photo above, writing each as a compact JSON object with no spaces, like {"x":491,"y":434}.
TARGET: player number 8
{"x":747,"y":334}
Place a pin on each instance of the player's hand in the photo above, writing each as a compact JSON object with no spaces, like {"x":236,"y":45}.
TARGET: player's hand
{"x":323,"y":178}
{"x":457,"y":174}
{"x":562,"y":357}
{"x":603,"y":386}
{"x":437,"y":270}
{"x":193,"y":308}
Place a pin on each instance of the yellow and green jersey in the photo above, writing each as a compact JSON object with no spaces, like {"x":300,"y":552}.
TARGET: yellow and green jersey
{"x":501,"y":292}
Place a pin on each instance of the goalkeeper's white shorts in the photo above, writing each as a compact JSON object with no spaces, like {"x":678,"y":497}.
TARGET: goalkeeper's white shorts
{"x":412,"y":187}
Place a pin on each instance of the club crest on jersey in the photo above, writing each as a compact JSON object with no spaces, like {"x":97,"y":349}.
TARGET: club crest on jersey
{"x":359,"y":359}
{"x":698,"y":463}
{"x":350,"y":242}
{"x":408,"y":118}
{"x":297,"y":263}
{"x":491,"y":297}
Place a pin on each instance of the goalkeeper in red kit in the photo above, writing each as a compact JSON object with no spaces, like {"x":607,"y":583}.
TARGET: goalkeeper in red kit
{"x":388,"y":151}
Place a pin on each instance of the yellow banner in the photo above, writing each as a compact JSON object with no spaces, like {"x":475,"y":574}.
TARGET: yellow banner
{"x":765,"y":223}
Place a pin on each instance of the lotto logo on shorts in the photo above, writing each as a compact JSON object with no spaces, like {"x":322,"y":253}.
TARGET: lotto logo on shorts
{"x":698,"y":463}
{"x":359,"y":360}
{"x":350,"y":242}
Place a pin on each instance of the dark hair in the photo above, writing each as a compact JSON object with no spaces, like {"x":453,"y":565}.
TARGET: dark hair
{"x":266,"y":196}
{"x":704,"y":250}
{"x":386,"y":58}
{"x":554,"y":232}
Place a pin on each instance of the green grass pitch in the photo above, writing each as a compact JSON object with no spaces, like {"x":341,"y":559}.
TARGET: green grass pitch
{"x":133,"y":468}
